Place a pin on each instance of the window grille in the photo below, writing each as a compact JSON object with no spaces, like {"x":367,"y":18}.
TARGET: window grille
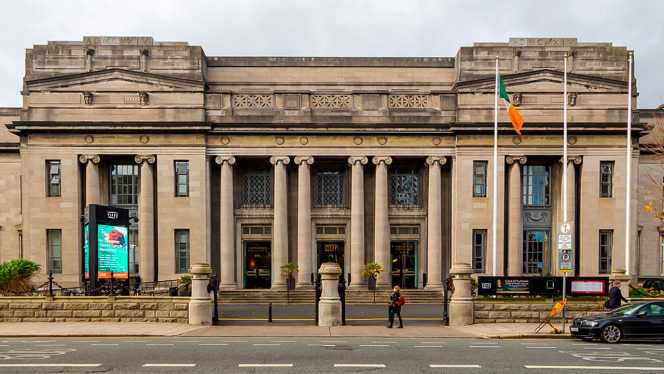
{"x":257,"y":189}
{"x":329,"y":189}
{"x":605,"y":249}
{"x":606,"y":179}
{"x":405,"y":189}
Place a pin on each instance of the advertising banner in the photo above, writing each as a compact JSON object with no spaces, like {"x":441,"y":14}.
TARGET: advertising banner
{"x":113,"y":251}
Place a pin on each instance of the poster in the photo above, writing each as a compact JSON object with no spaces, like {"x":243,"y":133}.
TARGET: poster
{"x":86,"y":250}
{"x":512,"y":286}
{"x":113,"y":251}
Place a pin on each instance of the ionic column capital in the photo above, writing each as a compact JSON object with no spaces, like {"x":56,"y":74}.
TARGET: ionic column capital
{"x":352,"y":160}
{"x":510,"y":160}
{"x":377,"y":160}
{"x":83,"y":159}
{"x":576,"y":160}
{"x":299,"y":160}
{"x":275,"y":160}
{"x":220,"y":160}
{"x":140,"y":159}
{"x":440,"y":160}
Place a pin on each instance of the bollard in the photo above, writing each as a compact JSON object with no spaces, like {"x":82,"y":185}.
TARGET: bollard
{"x":317,"y":296}
{"x":50,"y":284}
{"x":330,"y":302}
{"x":342,"y":294}
{"x":111,"y":285}
{"x":461,"y":304}
{"x":269,"y":313}
{"x":200,"y":304}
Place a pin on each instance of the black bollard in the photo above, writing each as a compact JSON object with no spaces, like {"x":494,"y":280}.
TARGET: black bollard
{"x":50,"y":284}
{"x":317,"y":296}
{"x":269,"y":313}
{"x":342,"y":295}
{"x":111,"y":285}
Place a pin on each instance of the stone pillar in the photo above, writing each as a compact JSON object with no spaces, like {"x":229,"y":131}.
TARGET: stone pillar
{"x":146,"y":217}
{"x":200,"y":303}
{"x":381,"y":222}
{"x":461,"y":304}
{"x":280,"y":223}
{"x":304,"y":221}
{"x":226,"y":224}
{"x":434,"y":228}
{"x":329,"y":306}
{"x":357,"y":221}
{"x":92,"y":187}
{"x":515,"y":238}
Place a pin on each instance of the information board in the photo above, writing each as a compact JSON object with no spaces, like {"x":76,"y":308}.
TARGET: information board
{"x":112,"y":251}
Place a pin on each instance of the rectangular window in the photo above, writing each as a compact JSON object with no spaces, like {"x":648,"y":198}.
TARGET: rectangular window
{"x":479,"y":178}
{"x":124,"y":185}
{"x":182,"y":251}
{"x":605,"y":249}
{"x":405,"y":189}
{"x":536,"y":186}
{"x":54,"y":249}
{"x":606,"y":179}
{"x":53,"y":178}
{"x":479,"y":250}
{"x":329,"y":189}
{"x":181,"y":178}
{"x":535,"y":245}
{"x":257,"y":189}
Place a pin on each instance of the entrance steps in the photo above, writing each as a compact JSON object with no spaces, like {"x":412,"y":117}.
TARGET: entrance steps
{"x":306,"y":296}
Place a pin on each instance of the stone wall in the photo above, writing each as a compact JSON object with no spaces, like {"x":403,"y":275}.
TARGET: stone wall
{"x":94,"y":309}
{"x":518,"y":311}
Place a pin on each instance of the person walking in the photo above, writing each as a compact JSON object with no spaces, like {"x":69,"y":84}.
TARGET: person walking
{"x":396,"y":302}
{"x":615,"y":297}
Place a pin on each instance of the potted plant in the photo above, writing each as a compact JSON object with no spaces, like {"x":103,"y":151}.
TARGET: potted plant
{"x":15,"y":276}
{"x":372,"y":271}
{"x":184,"y":285}
{"x":288,"y":270}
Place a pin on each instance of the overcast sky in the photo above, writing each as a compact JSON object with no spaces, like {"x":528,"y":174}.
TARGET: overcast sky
{"x":337,"y":28}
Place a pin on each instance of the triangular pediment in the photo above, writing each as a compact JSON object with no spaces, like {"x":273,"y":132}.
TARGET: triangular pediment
{"x":544,"y":81}
{"x":114,"y":80}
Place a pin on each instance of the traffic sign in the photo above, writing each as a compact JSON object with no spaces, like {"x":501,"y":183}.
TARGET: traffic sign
{"x":564,"y":241}
{"x":566,"y":228}
{"x":566,"y":261}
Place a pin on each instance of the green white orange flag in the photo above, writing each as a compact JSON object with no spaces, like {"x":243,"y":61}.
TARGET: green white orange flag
{"x":515,"y":117}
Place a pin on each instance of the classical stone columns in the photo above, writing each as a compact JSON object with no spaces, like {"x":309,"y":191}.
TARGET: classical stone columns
{"x":572,"y":163}
{"x":226,"y":223}
{"x":357,"y":220}
{"x":146,"y":217}
{"x":515,"y":226}
{"x":280,"y":223}
{"x":434,"y":218}
{"x":381,"y":222}
{"x":92,"y":188}
{"x":304,"y":220}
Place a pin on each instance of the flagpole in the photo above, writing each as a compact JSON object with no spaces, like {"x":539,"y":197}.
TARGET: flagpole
{"x":564,"y":178}
{"x":628,"y":162}
{"x":494,"y":195}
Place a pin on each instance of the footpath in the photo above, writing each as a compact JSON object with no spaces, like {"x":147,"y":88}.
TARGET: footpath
{"x":119,"y":329}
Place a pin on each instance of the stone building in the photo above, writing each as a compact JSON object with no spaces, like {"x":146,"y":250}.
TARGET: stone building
{"x":253,"y":162}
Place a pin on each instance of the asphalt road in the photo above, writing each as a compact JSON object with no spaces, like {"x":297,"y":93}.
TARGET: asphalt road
{"x":324,"y":355}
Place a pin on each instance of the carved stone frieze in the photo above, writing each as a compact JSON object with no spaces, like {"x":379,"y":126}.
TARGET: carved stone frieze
{"x":534,"y":217}
{"x":408,"y":101}
{"x":517,"y":99}
{"x":332,"y":102}
{"x":571,"y":98}
{"x":252,"y":101}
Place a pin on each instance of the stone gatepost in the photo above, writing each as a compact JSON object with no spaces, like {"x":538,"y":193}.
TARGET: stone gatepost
{"x":200,"y":303}
{"x":619,"y":274}
{"x":329,"y":306}
{"x":461,"y":304}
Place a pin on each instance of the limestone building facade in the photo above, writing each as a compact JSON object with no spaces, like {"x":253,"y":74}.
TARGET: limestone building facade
{"x":249,"y":163}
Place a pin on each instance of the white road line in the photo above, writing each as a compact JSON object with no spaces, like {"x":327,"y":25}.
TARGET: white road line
{"x":160,"y":344}
{"x":541,"y":347}
{"x":235,"y":341}
{"x":484,"y":346}
{"x":428,"y":346}
{"x":86,"y":341}
{"x":50,"y":365}
{"x":582,"y":344}
{"x":374,"y":345}
{"x":436,"y":366}
{"x":384,"y":342}
{"x":265,"y":365}
{"x":431,"y":343}
{"x":266,"y":344}
{"x":213,"y":344}
{"x":105,"y":345}
{"x":599,"y":348}
{"x":187,"y":341}
{"x":284,"y":341}
{"x":50,"y":345}
{"x":169,"y":365}
{"x":578,"y":367}
{"x":135,"y":341}
{"x":322,"y":345}
{"x":359,"y":365}
{"x":332,"y":341}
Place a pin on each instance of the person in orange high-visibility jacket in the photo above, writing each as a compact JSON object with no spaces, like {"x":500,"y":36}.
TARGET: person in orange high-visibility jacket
{"x":394,"y":307}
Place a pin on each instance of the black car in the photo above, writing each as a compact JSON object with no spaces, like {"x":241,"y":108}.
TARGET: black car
{"x":634,"y":321}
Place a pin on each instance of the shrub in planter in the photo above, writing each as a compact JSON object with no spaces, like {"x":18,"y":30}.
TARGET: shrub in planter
{"x":15,"y":276}
{"x":184,"y":285}
{"x":371,"y":271}
{"x":288,"y":270}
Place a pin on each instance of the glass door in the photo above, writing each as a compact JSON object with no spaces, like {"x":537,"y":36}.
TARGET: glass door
{"x":331,"y":251}
{"x":404,"y":263}
{"x":258,"y":264}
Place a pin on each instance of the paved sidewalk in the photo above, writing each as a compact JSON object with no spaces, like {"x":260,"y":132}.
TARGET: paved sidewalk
{"x":488,"y":330}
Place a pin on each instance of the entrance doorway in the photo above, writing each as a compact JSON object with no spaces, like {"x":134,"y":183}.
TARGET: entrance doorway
{"x":258,"y":264}
{"x":331,"y":251}
{"x":404,"y":263}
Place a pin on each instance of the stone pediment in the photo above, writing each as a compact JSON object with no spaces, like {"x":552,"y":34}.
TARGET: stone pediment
{"x":544,"y":81}
{"x":114,"y":80}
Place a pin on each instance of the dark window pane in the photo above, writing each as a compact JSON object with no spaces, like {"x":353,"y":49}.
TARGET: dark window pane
{"x":256,"y":189}
{"x":535,"y":243}
{"x":405,"y":189}
{"x":53,"y":181}
{"x":536,"y":186}
{"x":181,"y":178}
{"x":479,"y":250}
{"x":54,"y":249}
{"x":606,"y":178}
{"x":182,"y":251}
{"x":605,"y":249}
{"x":329,"y":189}
{"x":479,"y":178}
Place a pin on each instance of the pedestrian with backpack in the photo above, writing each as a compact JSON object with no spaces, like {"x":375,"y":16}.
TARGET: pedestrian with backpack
{"x":394,"y":307}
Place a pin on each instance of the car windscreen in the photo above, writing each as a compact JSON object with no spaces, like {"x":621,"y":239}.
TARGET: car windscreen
{"x":627,"y":310}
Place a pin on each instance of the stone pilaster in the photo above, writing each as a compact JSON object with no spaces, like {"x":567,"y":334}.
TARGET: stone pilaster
{"x":381,"y":222}
{"x":304,"y":221}
{"x":515,"y":213}
{"x":226,"y":224}
{"x":280,"y":223}
{"x":434,"y":219}
{"x":92,"y":187}
{"x":357,"y":220}
{"x":146,"y":218}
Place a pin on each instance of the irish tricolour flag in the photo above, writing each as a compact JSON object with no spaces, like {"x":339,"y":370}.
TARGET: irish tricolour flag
{"x":512,"y":112}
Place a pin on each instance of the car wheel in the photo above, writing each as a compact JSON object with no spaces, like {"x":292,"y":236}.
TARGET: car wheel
{"x":611,"y":334}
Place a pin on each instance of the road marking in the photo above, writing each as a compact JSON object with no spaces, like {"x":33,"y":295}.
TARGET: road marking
{"x":213,"y":344}
{"x":647,"y":368}
{"x":322,"y":345}
{"x":384,"y":342}
{"x":599,"y":348}
{"x":135,"y":341}
{"x":428,"y":346}
{"x":584,"y":344}
{"x":50,"y":345}
{"x":436,"y":366}
{"x":50,"y":365}
{"x":86,"y":341}
{"x":541,"y":347}
{"x":359,"y":365}
{"x":159,"y":344}
{"x":235,"y":341}
{"x":105,"y":345}
{"x":265,"y":365}
{"x":266,"y":344}
{"x":284,"y":341}
{"x":374,"y":345}
{"x":332,"y":341}
{"x":187,"y":341}
{"x":432,"y":343}
{"x":169,"y":365}
{"x":484,"y":346}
